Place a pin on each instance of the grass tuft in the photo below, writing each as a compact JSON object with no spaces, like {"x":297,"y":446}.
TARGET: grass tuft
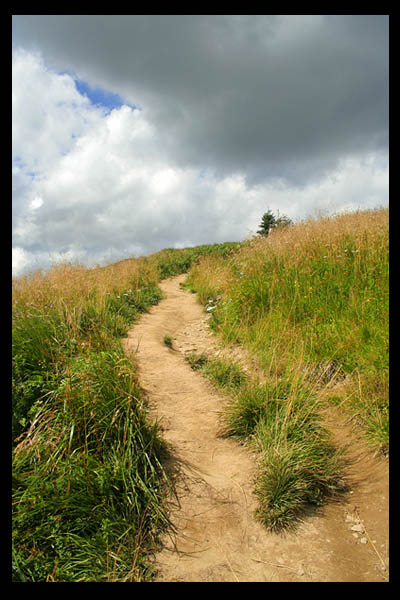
{"x":168,"y":341}
{"x":298,"y":465}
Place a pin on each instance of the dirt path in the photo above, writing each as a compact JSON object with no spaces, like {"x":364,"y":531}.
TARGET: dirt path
{"x":217,"y":536}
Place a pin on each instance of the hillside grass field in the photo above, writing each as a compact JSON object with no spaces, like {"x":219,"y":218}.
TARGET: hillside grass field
{"x":88,"y":478}
{"x":310,"y":301}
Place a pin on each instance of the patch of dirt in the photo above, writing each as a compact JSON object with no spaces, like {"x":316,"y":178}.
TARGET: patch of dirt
{"x":217,"y":537}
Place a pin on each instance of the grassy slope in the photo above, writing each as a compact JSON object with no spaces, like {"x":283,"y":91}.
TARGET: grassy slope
{"x":311,"y":302}
{"x":87,"y":473}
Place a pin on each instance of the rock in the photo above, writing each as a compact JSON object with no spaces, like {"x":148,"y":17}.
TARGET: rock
{"x":363,"y":540}
{"x":357,"y":527}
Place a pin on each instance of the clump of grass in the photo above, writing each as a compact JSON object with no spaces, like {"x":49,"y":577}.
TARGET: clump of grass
{"x":294,"y":475}
{"x":298,"y":465}
{"x":87,"y":477}
{"x":225,"y":373}
{"x":196,"y":361}
{"x":168,"y":341}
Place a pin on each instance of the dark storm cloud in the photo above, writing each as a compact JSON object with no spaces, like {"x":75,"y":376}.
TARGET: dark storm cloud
{"x":272,"y":97}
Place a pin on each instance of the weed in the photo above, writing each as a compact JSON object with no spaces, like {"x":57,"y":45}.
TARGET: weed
{"x":168,"y":341}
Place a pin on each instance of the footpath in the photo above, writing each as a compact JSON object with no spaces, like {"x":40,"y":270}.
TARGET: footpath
{"x":217,"y":537}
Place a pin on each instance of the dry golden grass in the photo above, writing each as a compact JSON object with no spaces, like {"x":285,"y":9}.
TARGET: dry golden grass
{"x":318,"y":290}
{"x":74,"y":283}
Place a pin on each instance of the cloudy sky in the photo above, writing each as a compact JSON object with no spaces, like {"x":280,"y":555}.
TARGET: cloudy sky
{"x":133,"y":133}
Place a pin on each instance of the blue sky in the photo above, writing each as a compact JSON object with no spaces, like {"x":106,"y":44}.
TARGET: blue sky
{"x":99,"y":96}
{"x":132,"y":133}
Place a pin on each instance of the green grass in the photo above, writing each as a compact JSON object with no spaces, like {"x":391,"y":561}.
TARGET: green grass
{"x":225,"y":373}
{"x":310,"y":303}
{"x":168,"y":341}
{"x":88,"y":476}
{"x":319,"y":292}
{"x":87,"y":469}
{"x":172,"y":261}
{"x":298,"y":465}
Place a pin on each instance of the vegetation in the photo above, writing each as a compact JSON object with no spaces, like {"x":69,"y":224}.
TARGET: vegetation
{"x":270,"y":222}
{"x":298,"y":464}
{"x":88,"y":480}
{"x":168,"y":341}
{"x":311,"y":303}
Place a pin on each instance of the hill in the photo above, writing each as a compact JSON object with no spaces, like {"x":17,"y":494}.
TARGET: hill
{"x":310,"y":302}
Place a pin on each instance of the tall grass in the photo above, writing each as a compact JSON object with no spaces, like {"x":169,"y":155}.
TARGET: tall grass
{"x":317,"y":290}
{"x":86,"y":461}
{"x":298,"y":465}
{"x":88,"y":476}
{"x":311,"y":303}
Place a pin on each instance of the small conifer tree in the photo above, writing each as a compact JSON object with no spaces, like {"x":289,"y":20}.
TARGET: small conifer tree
{"x":269,"y":221}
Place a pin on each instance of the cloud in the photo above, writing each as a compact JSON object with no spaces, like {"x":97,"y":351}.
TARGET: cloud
{"x":238,"y":93}
{"x":134,"y":133}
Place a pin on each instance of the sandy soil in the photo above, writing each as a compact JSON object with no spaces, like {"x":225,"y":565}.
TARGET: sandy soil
{"x":217,"y":538}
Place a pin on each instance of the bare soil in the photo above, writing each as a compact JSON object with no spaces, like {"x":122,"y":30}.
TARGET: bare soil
{"x":217,"y":537}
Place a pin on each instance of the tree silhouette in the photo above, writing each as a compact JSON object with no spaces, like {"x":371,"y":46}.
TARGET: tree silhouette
{"x":269,"y":221}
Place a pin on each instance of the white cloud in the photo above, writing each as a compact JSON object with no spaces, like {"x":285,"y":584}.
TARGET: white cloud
{"x":36,"y":202}
{"x":92,"y":185}
{"x":20,"y":261}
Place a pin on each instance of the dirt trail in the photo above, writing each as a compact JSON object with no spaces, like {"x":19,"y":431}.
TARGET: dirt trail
{"x":217,"y":536}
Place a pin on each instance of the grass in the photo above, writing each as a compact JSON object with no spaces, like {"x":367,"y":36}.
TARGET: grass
{"x":87,"y":470}
{"x":168,"y":341}
{"x":298,"y":464}
{"x":310,"y":302}
{"x":88,"y":477}
{"x":317,"y":292}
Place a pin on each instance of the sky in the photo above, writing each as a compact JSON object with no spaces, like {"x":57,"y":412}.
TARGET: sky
{"x":134,"y":133}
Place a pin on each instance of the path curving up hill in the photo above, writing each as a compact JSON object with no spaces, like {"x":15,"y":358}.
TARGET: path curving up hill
{"x":217,"y":537}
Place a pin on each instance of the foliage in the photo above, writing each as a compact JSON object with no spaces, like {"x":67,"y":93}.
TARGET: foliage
{"x":298,"y":464}
{"x":310,"y":303}
{"x":88,"y":476}
{"x":269,"y":222}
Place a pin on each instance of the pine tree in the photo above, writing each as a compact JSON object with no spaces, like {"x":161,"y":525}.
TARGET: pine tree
{"x":268,"y":221}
